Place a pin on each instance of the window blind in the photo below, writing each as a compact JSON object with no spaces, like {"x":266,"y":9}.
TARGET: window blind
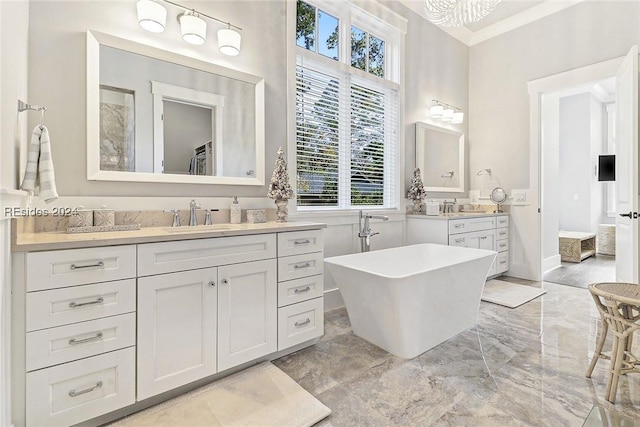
{"x":346,"y":139}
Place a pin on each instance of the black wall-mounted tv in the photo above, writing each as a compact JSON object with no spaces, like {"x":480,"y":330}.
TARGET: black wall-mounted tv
{"x":607,"y":167}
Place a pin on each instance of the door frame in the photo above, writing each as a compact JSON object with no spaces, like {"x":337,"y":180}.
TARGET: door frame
{"x":536,"y":88}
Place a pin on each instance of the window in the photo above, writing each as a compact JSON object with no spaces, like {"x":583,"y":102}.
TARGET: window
{"x":346,"y":111}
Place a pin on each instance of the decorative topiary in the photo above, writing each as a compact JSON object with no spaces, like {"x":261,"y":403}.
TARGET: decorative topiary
{"x":417,"y":192}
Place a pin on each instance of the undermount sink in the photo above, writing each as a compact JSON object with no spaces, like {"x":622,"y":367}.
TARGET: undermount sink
{"x":196,"y":228}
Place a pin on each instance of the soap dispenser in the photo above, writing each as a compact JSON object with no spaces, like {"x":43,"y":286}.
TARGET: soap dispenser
{"x":235,"y":212}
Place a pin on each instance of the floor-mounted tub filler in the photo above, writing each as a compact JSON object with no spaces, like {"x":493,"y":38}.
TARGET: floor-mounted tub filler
{"x":409,"y":299}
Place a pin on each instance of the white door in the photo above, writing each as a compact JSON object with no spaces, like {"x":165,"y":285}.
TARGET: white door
{"x":247,"y":312}
{"x":627,"y":169}
{"x":176,"y":329}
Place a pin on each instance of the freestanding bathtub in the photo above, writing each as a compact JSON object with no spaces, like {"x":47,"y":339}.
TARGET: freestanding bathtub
{"x":409,"y":299}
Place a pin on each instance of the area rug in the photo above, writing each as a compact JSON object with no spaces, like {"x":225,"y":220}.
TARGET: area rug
{"x":509,"y":294}
{"x":262,"y":395}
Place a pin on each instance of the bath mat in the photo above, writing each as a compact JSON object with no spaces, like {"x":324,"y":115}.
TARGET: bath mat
{"x":509,"y":294}
{"x":262,"y":395}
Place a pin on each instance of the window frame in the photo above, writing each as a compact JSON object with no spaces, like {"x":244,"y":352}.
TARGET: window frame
{"x":392,"y":33}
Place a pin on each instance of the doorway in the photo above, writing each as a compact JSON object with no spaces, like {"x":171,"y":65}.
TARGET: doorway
{"x":577,"y":133}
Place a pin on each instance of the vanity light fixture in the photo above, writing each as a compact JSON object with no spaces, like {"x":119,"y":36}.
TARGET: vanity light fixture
{"x":229,"y":41}
{"x":445,"y":112}
{"x":193,"y":28}
{"x":152,"y":16}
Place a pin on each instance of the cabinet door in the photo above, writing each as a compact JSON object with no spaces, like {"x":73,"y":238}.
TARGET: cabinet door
{"x":247,"y":312}
{"x":176,"y":329}
{"x":488,"y":240}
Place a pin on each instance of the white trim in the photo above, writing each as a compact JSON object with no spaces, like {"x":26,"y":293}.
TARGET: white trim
{"x":471,"y":38}
{"x":94,"y":40}
{"x":215,"y":102}
{"x":523,"y":18}
{"x":551,"y":263}
{"x":531,"y":227}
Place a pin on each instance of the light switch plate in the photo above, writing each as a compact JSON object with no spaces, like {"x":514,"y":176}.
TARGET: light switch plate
{"x":519,"y":197}
{"x":474,"y":196}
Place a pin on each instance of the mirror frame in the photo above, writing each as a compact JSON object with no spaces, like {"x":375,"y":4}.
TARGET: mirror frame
{"x":420,"y":126}
{"x":94,"y":40}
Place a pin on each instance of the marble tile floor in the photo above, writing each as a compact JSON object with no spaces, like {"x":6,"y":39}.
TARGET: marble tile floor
{"x":519,"y":367}
{"x":598,"y":268}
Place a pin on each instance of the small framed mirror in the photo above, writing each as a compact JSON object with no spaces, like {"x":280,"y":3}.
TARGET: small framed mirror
{"x":440,"y":157}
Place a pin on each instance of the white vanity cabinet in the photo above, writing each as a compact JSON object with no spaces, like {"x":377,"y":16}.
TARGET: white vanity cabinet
{"x":78,"y":332}
{"x":99,"y":329}
{"x":219,"y":313}
{"x":176,"y":329}
{"x":300,"y":287}
{"x":483,"y":232}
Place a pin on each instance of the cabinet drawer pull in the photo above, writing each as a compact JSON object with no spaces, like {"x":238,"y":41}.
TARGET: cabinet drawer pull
{"x":503,"y":262}
{"x":74,"y":304}
{"x":97,"y":264}
{"x":459,"y":225}
{"x":301,"y":290}
{"x":302,"y":242}
{"x":483,"y":237}
{"x":459,"y":240}
{"x":212,"y":283}
{"x":74,"y":393}
{"x":96,"y":337}
{"x":225,"y":281}
{"x":299,"y":266}
{"x":304,"y":322}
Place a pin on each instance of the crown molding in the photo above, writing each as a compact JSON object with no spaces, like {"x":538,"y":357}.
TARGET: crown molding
{"x":523,"y":18}
{"x":471,"y":38}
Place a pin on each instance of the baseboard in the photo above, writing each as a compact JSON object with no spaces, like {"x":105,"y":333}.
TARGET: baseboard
{"x":551,"y":263}
{"x":332,"y":299}
{"x":522,"y":271}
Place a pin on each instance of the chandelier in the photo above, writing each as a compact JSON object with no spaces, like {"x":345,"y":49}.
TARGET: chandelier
{"x":456,"y":13}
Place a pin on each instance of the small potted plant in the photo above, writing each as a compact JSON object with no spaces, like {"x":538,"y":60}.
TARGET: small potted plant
{"x":417,"y":192}
{"x":279,"y":188}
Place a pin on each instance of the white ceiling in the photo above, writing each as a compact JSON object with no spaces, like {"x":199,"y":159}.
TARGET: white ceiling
{"x":508,"y":15}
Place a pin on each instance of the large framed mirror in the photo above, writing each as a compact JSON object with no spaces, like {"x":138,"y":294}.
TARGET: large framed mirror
{"x":440,"y":157}
{"x":157,"y":116}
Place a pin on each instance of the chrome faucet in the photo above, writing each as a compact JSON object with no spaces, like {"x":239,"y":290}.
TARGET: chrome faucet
{"x":207,"y":216}
{"x":176,"y":217}
{"x":193,"y":218}
{"x":365,"y":232}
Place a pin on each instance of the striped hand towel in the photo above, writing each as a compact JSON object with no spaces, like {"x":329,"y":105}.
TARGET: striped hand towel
{"x":39,"y":169}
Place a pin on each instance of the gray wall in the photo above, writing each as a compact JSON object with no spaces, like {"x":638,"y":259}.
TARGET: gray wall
{"x":500,"y":68}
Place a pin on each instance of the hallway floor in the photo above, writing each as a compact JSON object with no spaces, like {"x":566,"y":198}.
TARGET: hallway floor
{"x":598,"y":268}
{"x":520,"y":367}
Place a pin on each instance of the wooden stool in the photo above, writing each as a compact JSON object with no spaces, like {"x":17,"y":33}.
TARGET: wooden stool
{"x":619,"y":307}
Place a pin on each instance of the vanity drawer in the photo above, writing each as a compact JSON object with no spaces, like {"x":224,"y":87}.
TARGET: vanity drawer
{"x":502,"y":221}
{"x":298,"y":266}
{"x":459,"y":240}
{"x":502,"y":262}
{"x":294,"y":291}
{"x":59,"y":307}
{"x":58,"y":269}
{"x":300,"y":242}
{"x":54,"y":346}
{"x":167,"y":257}
{"x":502,"y":245}
{"x":471,"y":224}
{"x":503,"y":233}
{"x":77,"y":391}
{"x":300,"y":322}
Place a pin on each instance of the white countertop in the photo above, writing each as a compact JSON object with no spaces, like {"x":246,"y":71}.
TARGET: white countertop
{"x":61,"y":240}
{"x":458,"y":215}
